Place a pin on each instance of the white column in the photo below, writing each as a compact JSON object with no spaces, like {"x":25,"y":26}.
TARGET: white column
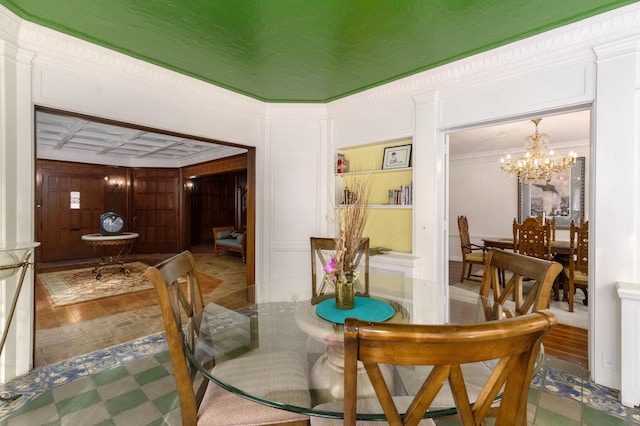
{"x":614,"y":241}
{"x":17,"y":170}
{"x":430,"y":215}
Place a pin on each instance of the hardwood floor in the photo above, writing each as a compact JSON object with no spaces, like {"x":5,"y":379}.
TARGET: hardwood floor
{"x":67,"y":331}
{"x":564,"y":341}
{"x":49,"y":316}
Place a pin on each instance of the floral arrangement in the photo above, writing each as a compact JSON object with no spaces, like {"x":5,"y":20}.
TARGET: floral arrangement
{"x":353,"y":216}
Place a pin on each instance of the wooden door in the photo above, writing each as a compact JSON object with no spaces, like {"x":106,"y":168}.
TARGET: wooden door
{"x":61,"y":237}
{"x":157,"y":196}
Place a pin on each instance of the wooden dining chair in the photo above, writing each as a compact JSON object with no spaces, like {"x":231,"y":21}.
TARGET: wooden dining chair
{"x":516,"y":268}
{"x":472,"y":254}
{"x":532,"y":238}
{"x":321,"y":251}
{"x":180,"y":297}
{"x":578,"y":269}
{"x":552,"y":225}
{"x":513,"y":342}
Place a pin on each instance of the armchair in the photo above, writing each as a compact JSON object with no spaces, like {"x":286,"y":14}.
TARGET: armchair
{"x":472,"y":254}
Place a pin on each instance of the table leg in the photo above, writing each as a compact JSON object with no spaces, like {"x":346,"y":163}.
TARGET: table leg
{"x":5,"y":332}
{"x":327,"y":376}
{"x":561,"y":281}
{"x":111,"y":260}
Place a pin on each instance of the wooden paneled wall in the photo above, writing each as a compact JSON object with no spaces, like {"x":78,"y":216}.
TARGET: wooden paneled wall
{"x":216,"y":202}
{"x":158,"y":210}
{"x":153,"y":202}
{"x":224,"y":165}
{"x":58,"y":226}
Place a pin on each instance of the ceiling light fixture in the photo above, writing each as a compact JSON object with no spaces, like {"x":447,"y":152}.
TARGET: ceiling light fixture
{"x":539,"y":163}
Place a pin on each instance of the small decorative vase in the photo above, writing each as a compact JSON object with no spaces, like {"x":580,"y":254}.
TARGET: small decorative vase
{"x":345,"y":292}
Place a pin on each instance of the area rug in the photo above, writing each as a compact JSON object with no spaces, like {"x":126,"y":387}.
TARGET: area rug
{"x":578,"y":318}
{"x":79,"y":285}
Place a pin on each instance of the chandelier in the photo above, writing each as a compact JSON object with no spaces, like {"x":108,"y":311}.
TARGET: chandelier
{"x":539,"y":163}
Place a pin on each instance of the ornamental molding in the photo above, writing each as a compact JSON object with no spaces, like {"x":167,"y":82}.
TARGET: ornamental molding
{"x":63,"y":51}
{"x":9,"y":26}
{"x":571,"y":43}
{"x":293,"y":111}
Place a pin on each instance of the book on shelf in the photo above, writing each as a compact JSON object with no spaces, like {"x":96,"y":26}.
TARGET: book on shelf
{"x":402,"y":196}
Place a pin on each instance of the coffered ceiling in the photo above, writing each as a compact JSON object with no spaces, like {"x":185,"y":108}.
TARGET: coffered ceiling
{"x":304,"y":50}
{"x":80,"y":139}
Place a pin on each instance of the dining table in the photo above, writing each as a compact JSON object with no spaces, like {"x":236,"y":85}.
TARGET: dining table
{"x":314,"y":332}
{"x":560,"y":247}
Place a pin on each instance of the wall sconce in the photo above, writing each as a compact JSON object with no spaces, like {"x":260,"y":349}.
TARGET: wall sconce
{"x":188,"y":186}
{"x":113,"y":183}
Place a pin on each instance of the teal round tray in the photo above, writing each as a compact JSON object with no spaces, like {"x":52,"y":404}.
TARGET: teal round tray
{"x":365,"y":309}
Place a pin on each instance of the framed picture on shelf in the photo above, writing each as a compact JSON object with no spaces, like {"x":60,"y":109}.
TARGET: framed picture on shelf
{"x":396,"y":157}
{"x":561,"y":198}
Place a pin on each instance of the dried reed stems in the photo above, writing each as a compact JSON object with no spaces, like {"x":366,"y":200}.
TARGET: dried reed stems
{"x":353,"y":217}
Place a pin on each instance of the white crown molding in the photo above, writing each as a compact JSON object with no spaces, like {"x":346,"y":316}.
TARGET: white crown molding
{"x":618,"y":47}
{"x":565,"y":44}
{"x":293,"y":111}
{"x":63,"y":51}
{"x":9,"y":25}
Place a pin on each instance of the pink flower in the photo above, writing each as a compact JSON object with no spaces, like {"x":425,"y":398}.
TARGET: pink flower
{"x":332,"y":267}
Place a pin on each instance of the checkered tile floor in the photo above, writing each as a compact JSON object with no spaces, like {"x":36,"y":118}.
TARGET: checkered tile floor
{"x":132,"y":384}
{"x":109,"y":387}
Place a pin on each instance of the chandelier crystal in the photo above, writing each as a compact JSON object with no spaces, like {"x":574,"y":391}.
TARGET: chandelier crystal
{"x":539,"y":163}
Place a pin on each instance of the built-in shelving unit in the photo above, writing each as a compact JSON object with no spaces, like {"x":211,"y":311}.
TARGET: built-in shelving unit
{"x":390,"y":218}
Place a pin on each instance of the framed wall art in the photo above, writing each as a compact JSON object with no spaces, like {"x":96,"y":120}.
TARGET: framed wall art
{"x":561,"y":198}
{"x":397,"y":157}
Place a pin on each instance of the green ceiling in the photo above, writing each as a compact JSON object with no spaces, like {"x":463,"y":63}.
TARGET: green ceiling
{"x":303,"y":50}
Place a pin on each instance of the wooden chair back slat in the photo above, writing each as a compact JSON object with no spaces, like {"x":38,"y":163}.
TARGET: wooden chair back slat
{"x":321,"y":250}
{"x":540,"y":274}
{"x":181,"y":303}
{"x":532,"y":238}
{"x":514,"y":342}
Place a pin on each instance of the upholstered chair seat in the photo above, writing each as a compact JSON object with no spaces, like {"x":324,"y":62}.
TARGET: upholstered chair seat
{"x":281,"y":373}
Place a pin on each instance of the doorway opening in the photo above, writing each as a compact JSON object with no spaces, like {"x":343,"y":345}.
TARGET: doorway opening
{"x":151,"y":170}
{"x":491,"y":200}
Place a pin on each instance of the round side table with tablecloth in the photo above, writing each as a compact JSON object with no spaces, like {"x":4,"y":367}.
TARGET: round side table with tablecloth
{"x":99,"y":243}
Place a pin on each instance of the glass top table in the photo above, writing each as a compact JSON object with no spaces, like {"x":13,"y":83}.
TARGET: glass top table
{"x":230,"y":329}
